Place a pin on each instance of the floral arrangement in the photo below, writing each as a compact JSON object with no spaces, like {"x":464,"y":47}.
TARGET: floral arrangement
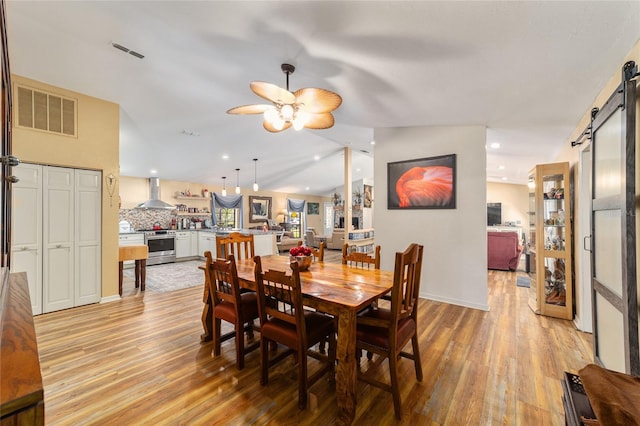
{"x":300,"y":251}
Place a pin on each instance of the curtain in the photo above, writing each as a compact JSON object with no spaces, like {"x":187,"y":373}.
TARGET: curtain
{"x":229,"y":202}
{"x":298,"y":206}
{"x":295,"y":205}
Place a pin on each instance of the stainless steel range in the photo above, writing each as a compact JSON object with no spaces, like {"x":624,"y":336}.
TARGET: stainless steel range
{"x":162,"y":246}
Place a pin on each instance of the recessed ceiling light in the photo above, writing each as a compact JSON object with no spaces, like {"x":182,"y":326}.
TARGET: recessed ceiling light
{"x":501,"y":167}
{"x":373,"y":142}
{"x":505,"y":178}
{"x":306,"y":188}
{"x":153,"y":171}
{"x":316,"y":157}
{"x":357,"y":170}
{"x":495,"y":145}
{"x":225,"y":157}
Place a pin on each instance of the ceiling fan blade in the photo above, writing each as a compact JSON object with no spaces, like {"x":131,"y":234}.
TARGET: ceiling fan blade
{"x":320,"y":121}
{"x":317,"y":101}
{"x":250,"y":109}
{"x":272,"y":93}
{"x":268,"y":126}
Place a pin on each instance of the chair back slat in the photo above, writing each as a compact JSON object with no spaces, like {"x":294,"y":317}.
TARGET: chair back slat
{"x":406,"y":282}
{"x":222,"y":279}
{"x":360,"y":260}
{"x":279,"y":294}
{"x":318,"y":254}
{"x":239,"y":245}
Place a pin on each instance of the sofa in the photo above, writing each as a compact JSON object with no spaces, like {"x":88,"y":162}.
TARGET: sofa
{"x":286,"y":243}
{"x":335,"y":241}
{"x":503,"y":250}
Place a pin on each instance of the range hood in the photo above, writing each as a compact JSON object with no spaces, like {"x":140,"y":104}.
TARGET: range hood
{"x":154,"y":201}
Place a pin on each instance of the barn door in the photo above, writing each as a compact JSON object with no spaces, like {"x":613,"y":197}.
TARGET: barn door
{"x":613,"y":273}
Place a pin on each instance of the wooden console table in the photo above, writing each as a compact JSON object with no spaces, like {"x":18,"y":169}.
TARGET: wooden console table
{"x":139,"y":254}
{"x":21,"y":390}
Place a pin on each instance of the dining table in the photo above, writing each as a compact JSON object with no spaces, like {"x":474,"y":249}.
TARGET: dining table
{"x":333,"y":288}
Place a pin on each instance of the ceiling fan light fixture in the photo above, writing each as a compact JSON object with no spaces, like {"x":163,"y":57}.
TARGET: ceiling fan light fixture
{"x":278,"y":123}
{"x":286,"y":112}
{"x":287,"y":107}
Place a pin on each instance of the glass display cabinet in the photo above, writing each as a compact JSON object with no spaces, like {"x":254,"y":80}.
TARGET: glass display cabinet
{"x":550,"y":240}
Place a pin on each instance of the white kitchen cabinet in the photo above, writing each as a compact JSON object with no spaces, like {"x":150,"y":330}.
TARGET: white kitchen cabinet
{"x":206,"y":242}
{"x":263,"y":244}
{"x":57,"y":235}
{"x":183,"y":244}
{"x":193,"y":248}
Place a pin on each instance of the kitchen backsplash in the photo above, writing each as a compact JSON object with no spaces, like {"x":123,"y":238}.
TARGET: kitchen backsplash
{"x":145,"y":219}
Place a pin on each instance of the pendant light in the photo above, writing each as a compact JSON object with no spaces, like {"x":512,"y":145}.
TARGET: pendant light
{"x":255,"y":175}
{"x":237,"y":181}
{"x":224,"y":186}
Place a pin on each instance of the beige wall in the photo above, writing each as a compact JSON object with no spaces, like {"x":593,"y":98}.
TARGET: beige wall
{"x":96,"y":147}
{"x":515,"y":202}
{"x":135,"y":190}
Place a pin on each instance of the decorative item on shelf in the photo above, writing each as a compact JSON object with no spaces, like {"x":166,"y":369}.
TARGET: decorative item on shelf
{"x":357,"y":197}
{"x":110,"y":183}
{"x":336,"y":199}
{"x":187,"y":192}
{"x":205,"y":193}
{"x":255,"y":175}
{"x":302,"y":255}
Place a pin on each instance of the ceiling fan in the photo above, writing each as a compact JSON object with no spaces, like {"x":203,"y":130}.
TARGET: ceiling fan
{"x":309,"y":107}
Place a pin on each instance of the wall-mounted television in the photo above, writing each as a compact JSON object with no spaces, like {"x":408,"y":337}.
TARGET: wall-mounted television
{"x":494,"y":214}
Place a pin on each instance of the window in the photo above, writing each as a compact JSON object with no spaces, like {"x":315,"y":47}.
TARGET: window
{"x":227,"y":218}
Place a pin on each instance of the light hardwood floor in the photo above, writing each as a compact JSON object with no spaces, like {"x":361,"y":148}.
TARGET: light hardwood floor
{"x":140,"y":361}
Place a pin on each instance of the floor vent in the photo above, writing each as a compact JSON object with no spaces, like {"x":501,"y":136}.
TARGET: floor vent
{"x":47,"y":112}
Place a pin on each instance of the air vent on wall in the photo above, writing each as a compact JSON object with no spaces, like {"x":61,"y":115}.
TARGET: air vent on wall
{"x":127,"y":50}
{"x":46,"y":111}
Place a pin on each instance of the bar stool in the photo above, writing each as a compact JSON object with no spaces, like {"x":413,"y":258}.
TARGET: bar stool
{"x":139,"y":253}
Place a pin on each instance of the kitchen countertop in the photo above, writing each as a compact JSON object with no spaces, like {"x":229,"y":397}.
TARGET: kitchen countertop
{"x":214,"y":231}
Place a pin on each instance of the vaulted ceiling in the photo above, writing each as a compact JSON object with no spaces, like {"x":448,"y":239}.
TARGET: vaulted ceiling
{"x":526,"y":70}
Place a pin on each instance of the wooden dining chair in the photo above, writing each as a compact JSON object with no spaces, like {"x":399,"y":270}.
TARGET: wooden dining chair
{"x":318,"y":253}
{"x":386,"y":332}
{"x":283,"y":319}
{"x":239,"y":245}
{"x":229,"y":304}
{"x":359,"y":259}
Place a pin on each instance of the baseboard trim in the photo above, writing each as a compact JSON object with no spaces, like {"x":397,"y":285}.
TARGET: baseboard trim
{"x":452,"y":301}
{"x":110,"y":298}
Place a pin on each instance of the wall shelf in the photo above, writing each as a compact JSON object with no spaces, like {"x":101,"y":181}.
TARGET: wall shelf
{"x":191,"y":197}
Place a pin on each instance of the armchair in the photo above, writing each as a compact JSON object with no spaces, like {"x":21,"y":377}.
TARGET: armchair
{"x":503,"y":250}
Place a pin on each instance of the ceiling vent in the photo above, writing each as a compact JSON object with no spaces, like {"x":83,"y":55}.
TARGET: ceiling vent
{"x":127,"y":50}
{"x":47,"y":112}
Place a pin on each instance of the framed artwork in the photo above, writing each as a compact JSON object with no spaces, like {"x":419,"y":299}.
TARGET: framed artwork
{"x":259,"y":209}
{"x":313,"y":208}
{"x":424,"y":183}
{"x":368,"y":196}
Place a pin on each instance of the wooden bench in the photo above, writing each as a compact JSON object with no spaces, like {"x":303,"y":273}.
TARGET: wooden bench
{"x":139,"y":254}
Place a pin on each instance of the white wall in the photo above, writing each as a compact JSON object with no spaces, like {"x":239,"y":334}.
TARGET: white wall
{"x":454,"y":267}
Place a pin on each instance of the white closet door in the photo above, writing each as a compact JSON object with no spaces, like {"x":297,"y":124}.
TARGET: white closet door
{"x":26,"y":246}
{"x":58,"y":237}
{"x":87,"y":256}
